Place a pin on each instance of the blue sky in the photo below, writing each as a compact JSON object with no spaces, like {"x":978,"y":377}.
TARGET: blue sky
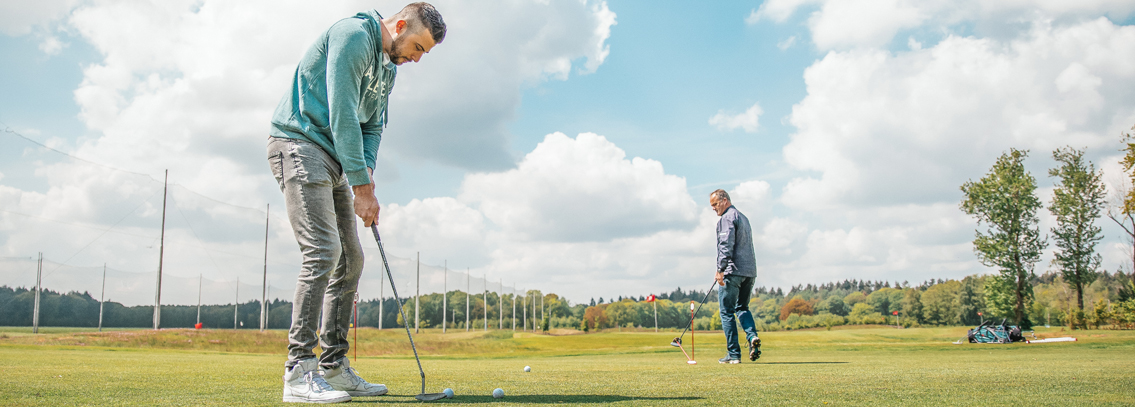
{"x":563,"y":145}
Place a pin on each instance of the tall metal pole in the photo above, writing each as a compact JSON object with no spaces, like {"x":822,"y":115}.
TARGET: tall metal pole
{"x":161,"y":257}
{"x":200,"y":284}
{"x":38,"y":289}
{"x":468,"y":294}
{"x":500,"y":305}
{"x":236,"y":302}
{"x":513,"y":306}
{"x":485,"y":299}
{"x":444,"y":292}
{"x":524,"y":305}
{"x":417,"y":291}
{"x":655,"y":315}
{"x":102,"y":297}
{"x":264,"y":297}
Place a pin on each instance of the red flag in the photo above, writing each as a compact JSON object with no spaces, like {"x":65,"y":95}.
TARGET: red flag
{"x":650,"y":298}
{"x":895,"y":313}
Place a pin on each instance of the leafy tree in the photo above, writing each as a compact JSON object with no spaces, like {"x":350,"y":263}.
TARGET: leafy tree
{"x":912,"y":304}
{"x":834,"y":305}
{"x":940,"y":304}
{"x":795,"y":306}
{"x":1123,"y":212}
{"x":1076,"y":203}
{"x":970,"y":300}
{"x":854,"y":298}
{"x":1004,"y":201}
{"x":886,"y":300}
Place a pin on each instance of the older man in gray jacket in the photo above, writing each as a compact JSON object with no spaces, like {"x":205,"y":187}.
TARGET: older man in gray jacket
{"x":736,"y":273}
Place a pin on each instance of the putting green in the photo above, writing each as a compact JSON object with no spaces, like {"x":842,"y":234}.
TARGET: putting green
{"x":840,"y":367}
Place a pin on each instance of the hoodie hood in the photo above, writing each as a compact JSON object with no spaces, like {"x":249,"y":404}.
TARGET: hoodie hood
{"x":375,"y":31}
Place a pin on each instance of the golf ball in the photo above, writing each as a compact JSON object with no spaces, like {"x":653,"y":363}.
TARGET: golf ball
{"x":498,"y":393}
{"x":448,"y":393}
{"x":527,"y":369}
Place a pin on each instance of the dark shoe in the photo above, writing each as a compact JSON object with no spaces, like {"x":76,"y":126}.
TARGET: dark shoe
{"x":728,"y":360}
{"x":755,"y":349}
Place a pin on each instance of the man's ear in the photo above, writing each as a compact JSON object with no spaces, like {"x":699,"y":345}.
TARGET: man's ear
{"x":399,"y":26}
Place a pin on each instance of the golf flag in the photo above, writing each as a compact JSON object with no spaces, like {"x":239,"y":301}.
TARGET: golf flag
{"x":895,"y":313}
{"x":650,"y":298}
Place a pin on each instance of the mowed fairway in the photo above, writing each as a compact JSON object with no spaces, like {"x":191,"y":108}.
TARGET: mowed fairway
{"x":840,"y":367}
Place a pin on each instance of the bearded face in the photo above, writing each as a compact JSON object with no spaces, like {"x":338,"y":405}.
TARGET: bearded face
{"x":409,"y":45}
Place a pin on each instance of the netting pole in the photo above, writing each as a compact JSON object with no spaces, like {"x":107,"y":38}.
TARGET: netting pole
{"x":200,"y":284}
{"x":264,"y":297}
{"x":38,"y":288}
{"x":161,"y":257}
{"x":468,"y":293}
{"x":500,"y":305}
{"x":444,"y":293}
{"x":485,"y":299}
{"x":102,"y":297}
{"x":514,"y":306}
{"x":417,"y":291}
{"x":236,"y":303}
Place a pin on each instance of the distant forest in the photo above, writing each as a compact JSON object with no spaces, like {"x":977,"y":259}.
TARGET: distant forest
{"x":933,"y":302}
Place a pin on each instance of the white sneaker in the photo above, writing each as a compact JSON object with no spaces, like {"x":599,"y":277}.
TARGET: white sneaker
{"x":345,"y":378}
{"x":304,"y":384}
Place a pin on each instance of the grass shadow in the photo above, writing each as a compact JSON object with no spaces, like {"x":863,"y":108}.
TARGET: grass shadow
{"x":529,"y":399}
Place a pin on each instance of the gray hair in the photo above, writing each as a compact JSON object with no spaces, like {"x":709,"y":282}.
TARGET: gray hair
{"x":720,"y":194}
{"x":423,"y":15}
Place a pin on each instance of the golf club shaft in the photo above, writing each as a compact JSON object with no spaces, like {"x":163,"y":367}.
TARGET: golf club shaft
{"x":703,"y":300}
{"x":393,"y":287}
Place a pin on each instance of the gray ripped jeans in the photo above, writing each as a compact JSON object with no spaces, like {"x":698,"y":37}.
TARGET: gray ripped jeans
{"x":321,"y":210}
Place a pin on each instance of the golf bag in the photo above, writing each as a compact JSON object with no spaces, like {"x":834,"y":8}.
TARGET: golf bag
{"x":989,"y":332}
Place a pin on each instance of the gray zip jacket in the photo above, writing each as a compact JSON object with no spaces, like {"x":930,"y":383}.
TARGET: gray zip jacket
{"x":735,"y":253}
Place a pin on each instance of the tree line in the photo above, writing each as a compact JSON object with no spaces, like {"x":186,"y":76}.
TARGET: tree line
{"x":938,"y":302}
{"x":1008,"y":239}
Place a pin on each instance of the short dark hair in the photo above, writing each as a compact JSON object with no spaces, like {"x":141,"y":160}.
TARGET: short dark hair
{"x":720,"y":194}
{"x":427,"y":16}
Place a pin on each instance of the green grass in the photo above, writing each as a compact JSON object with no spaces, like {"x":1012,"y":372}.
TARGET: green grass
{"x":839,"y":367}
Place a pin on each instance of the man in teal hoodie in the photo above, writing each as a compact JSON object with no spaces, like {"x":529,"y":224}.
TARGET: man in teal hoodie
{"x":322,"y":149}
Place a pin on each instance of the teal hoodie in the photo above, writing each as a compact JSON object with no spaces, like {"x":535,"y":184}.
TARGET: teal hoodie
{"x":339,"y":95}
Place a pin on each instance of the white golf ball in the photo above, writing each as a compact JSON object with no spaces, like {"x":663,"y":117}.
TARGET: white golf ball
{"x":448,"y":393}
{"x":498,"y":393}
{"x":527,"y":369}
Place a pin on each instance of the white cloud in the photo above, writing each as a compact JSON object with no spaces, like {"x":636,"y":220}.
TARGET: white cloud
{"x":944,"y":113}
{"x":845,"y":24}
{"x":51,"y":45}
{"x":190,"y":86}
{"x":749,"y":121}
{"x":581,"y":189}
{"x":20,"y":17}
{"x":210,"y":97}
{"x":787,"y":43}
{"x":776,"y":10}
{"x":750,"y":196}
{"x":850,"y":23}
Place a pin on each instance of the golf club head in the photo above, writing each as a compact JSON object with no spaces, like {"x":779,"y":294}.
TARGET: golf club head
{"x":677,"y":342}
{"x":430,"y":396}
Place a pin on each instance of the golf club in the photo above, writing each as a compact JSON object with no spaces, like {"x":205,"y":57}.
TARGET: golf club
{"x":677,"y":342}
{"x":423,"y":396}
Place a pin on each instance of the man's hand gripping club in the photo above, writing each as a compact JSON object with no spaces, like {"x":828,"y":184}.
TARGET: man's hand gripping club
{"x":366,"y":205}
